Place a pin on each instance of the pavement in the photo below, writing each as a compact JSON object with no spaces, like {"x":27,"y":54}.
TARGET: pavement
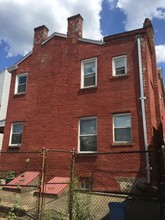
{"x":58,"y":206}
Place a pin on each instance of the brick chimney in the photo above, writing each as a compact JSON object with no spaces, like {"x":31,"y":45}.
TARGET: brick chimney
{"x":40,"y":34}
{"x":75,"y":24}
{"x":148,"y":25}
{"x":150,"y":33}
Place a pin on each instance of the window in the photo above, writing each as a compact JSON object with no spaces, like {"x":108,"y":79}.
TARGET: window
{"x":122,"y":127}
{"x":21,"y":82}
{"x":88,"y":135}
{"x":89,"y":73}
{"x":16,"y":133}
{"x":86,"y":183}
{"x":119,"y":65}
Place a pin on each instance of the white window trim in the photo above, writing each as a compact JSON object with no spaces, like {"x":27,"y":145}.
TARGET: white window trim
{"x":16,"y":83}
{"x":113,"y":65}
{"x":82,"y":72}
{"x":86,"y":118}
{"x":114,"y":141}
{"x":11,"y":132}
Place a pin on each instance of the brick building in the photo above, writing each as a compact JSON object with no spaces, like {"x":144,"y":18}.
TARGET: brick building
{"x":95,"y":96}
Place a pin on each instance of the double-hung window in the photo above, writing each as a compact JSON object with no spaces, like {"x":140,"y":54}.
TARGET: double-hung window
{"x":122,"y":128}
{"x":16,"y":133}
{"x":119,"y":66}
{"x":21,"y":83}
{"x":88,"y":134}
{"x":89,"y":73}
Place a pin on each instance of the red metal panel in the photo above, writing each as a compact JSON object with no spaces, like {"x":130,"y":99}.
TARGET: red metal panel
{"x":56,"y":185}
{"x":22,"y":180}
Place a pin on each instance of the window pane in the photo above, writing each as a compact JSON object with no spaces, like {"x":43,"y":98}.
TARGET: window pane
{"x":89,"y":67}
{"x":88,"y":143}
{"x":88,"y":126}
{"x":89,"y":80}
{"x":120,"y":65}
{"x":16,"y":138}
{"x":22,"y":79}
{"x":120,"y":70}
{"x":123,"y":134}
{"x":17,"y":128}
{"x":21,"y":88}
{"x":121,"y":121}
{"x":120,"y":62}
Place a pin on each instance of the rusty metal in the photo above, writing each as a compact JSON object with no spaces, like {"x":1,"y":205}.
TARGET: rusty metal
{"x":71,"y":189}
{"x":41,"y":186}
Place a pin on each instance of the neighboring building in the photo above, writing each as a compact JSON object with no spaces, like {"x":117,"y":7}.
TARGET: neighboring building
{"x":161,"y":92}
{"x":5,"y":78}
{"x":95,"y":96}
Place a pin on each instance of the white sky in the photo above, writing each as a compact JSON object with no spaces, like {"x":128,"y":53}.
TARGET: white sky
{"x":18,"y":18}
{"x":137,"y":11}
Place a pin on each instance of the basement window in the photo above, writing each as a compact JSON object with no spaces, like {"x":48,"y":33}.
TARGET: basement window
{"x":86,"y":183}
{"x":16,"y":134}
{"x":21,"y":83}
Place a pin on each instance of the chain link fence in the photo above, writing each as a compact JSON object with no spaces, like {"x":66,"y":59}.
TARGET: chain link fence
{"x":52,"y":184}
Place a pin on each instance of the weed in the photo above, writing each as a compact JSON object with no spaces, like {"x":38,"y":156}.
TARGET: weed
{"x":12,"y":214}
{"x":81,"y":203}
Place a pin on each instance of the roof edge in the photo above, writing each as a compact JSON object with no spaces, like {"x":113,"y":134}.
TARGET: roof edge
{"x":91,"y":41}
{"x":55,"y":34}
{"x":124,"y":34}
{"x":15,"y":66}
{"x":12,"y":68}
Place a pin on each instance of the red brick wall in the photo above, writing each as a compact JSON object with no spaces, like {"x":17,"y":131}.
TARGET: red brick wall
{"x":54,"y":102}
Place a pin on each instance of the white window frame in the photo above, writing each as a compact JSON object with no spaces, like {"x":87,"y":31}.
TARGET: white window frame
{"x":115,"y":115}
{"x":11,"y":134}
{"x":114,"y":65}
{"x":82,"y":119}
{"x":82,"y":72}
{"x":16,"y":83}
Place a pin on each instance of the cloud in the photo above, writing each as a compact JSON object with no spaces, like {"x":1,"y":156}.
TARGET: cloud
{"x":160,"y":53}
{"x":137,"y":11}
{"x":112,"y":3}
{"x":19,"y":18}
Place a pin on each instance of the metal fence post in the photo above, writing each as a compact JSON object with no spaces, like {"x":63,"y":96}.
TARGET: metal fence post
{"x":71,"y":190}
{"x":41,"y":186}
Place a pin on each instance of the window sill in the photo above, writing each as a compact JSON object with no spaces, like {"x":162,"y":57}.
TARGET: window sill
{"x":15,"y":146}
{"x":87,"y":90}
{"x":90,"y":87}
{"x":87,"y":153}
{"x":120,"y":76}
{"x":123,"y":144}
{"x":19,"y":94}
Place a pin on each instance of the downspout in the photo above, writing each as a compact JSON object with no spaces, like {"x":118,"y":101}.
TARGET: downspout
{"x":142,"y":99}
